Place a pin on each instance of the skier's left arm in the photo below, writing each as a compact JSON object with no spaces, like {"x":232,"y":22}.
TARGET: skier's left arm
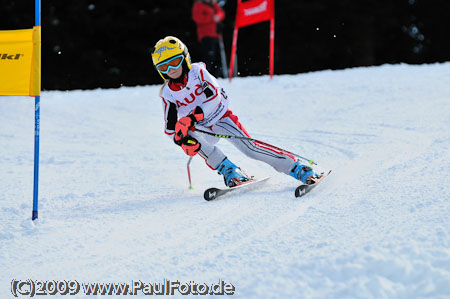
{"x":216,"y":103}
{"x":209,"y":110}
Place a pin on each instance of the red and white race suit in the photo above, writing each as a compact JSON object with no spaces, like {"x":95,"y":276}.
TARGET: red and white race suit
{"x":181,"y":101}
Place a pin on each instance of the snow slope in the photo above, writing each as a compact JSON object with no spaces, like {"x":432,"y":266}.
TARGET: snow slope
{"x":115,"y":207}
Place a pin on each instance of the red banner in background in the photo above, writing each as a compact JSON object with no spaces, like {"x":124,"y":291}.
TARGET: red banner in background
{"x":249,"y":13}
{"x":254,"y":11}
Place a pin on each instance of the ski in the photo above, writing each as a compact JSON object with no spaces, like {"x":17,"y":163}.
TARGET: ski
{"x":213,"y":193}
{"x":303,"y":189}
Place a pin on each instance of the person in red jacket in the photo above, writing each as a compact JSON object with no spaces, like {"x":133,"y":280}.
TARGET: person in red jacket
{"x":208,"y":16}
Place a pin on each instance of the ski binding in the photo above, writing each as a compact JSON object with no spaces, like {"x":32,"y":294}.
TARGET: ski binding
{"x":305,"y":188}
{"x":213,"y":193}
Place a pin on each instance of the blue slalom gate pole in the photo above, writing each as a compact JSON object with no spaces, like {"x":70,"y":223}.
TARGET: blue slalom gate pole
{"x":36,"y":157}
{"x":37,"y":119}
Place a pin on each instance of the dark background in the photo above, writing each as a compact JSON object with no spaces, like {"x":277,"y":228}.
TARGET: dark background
{"x":104,"y":43}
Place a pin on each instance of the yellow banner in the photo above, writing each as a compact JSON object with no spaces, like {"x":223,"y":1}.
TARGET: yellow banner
{"x":20,"y":62}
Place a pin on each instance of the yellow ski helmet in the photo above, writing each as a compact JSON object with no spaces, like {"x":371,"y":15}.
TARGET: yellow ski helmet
{"x":167,"y":48}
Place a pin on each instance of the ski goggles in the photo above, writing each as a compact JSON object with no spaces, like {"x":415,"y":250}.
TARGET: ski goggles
{"x":172,"y":63}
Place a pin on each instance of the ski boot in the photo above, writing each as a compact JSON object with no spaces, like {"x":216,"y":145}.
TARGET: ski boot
{"x":304,"y":173}
{"x":232,"y":175}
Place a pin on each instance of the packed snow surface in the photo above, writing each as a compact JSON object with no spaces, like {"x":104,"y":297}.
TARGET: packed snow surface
{"x":114,"y":203}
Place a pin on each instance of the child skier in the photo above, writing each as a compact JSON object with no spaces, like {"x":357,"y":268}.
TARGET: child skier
{"x":192,"y":98}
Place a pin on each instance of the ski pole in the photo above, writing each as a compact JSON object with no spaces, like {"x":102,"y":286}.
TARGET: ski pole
{"x":223,"y":57}
{"x":255,"y":141}
{"x":189,"y":173}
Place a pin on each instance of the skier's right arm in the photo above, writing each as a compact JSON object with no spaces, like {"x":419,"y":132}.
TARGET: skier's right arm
{"x":189,"y":144}
{"x":170,"y":117}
